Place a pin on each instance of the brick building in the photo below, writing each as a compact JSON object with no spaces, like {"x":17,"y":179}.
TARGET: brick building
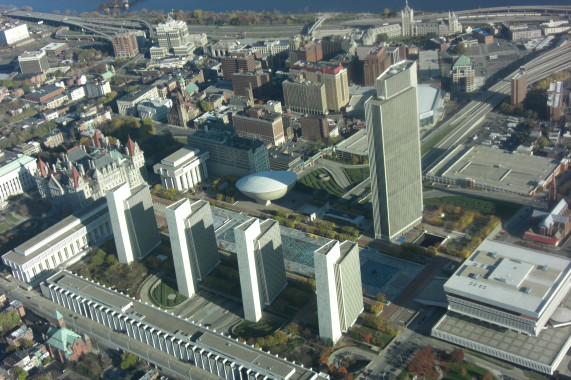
{"x":256,"y":123}
{"x":237,"y":62}
{"x":66,"y":345}
{"x":314,"y":128}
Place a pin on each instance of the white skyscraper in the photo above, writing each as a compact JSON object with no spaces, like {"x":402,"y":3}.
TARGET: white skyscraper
{"x":193,"y":243}
{"x":338,"y":287}
{"x":133,"y":222}
{"x":394,"y":151}
{"x":261,"y":265}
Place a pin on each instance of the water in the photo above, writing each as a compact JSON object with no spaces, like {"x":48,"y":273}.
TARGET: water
{"x":283,"y":6}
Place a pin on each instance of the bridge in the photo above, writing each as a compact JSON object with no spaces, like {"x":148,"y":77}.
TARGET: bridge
{"x":103,"y":28}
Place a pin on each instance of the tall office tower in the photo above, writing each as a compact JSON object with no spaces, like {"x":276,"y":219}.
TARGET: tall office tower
{"x":394,"y":151}
{"x":172,"y":34}
{"x":125,"y":45}
{"x":260,"y":263}
{"x":376,"y":62}
{"x":305,"y":97}
{"x":238,"y":62}
{"x":314,"y":128}
{"x":193,"y":243}
{"x":463,"y":75}
{"x":519,"y":87}
{"x":33,"y":62}
{"x":338,"y":287}
{"x":407,"y":21}
{"x":12,"y":35}
{"x":257,"y":123}
{"x":259,"y":82}
{"x":334,"y":78}
{"x":133,"y":222}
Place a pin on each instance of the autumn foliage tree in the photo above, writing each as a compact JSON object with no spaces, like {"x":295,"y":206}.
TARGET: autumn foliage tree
{"x":457,"y":356}
{"x":422,"y":364}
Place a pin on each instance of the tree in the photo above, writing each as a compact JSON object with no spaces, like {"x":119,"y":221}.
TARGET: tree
{"x":459,"y":48}
{"x":457,"y":356}
{"x":487,"y":376}
{"x":381,"y":297}
{"x":128,"y":361}
{"x":293,"y":328}
{"x":148,"y":128}
{"x":20,"y":373}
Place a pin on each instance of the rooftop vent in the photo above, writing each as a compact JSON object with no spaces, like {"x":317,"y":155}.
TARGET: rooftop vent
{"x":525,"y":290}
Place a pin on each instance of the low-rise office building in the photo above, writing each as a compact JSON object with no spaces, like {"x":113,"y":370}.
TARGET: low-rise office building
{"x":233,"y":155}
{"x":128,"y":103}
{"x":503,"y":301}
{"x":254,"y":123}
{"x":184,"y":169}
{"x":16,"y":174}
{"x":60,"y":245}
{"x":208,"y":350}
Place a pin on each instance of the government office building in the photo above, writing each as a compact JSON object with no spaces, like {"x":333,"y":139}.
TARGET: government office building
{"x":512,"y":303}
{"x":208,"y":350}
{"x":60,"y":245}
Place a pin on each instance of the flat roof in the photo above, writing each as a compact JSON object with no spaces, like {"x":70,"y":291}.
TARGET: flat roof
{"x":56,"y":233}
{"x":197,"y":335}
{"x":427,"y":96}
{"x":356,"y":144}
{"x":510,"y":277}
{"x":542,"y":349}
{"x":136,"y":93}
{"x":495,"y":168}
{"x":180,"y":156}
{"x":11,"y":162}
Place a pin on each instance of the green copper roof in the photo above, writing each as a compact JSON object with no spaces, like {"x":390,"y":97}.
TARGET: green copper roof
{"x":462,"y":61}
{"x":58,"y":315}
{"x":107,"y":75}
{"x":15,"y":164}
{"x":62,"y":339}
{"x":191,"y":88}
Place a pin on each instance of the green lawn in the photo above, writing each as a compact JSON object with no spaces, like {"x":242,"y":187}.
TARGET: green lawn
{"x":311,"y":181}
{"x":504,"y":210}
{"x":356,"y":175}
{"x":436,"y":139}
{"x":161,"y":292}
{"x":4,"y":227}
{"x":472,"y":371}
{"x":12,"y":218}
{"x":264,"y":327}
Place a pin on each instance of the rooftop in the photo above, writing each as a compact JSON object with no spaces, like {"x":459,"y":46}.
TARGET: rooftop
{"x":180,"y":156}
{"x":356,"y":144}
{"x":10,"y":162}
{"x":186,"y":330}
{"x":494,"y":168}
{"x":57,"y":233}
{"x":266,"y":181}
{"x":510,"y":277}
{"x":31,"y":54}
{"x":462,"y":61}
{"x":543,"y":348}
{"x":136,"y":94}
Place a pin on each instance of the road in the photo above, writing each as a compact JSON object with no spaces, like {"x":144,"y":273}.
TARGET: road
{"x":471,"y":116}
{"x":396,"y":356}
{"x":45,"y":308}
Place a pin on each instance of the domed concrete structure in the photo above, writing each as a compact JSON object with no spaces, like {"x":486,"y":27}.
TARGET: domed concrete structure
{"x":265,"y":187}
